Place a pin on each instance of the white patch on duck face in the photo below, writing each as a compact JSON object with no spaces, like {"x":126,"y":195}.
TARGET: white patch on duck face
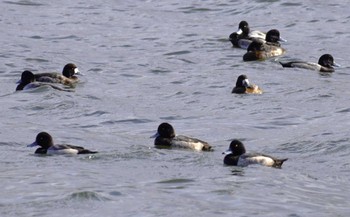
{"x":245,"y":82}
{"x":263,"y":160}
{"x":76,"y":71}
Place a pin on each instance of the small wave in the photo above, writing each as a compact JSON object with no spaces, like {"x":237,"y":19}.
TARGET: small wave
{"x":172,"y":181}
{"x":177,"y":53}
{"x":24,"y":3}
{"x":39,"y":60}
{"x":131,"y":120}
{"x":86,"y":196}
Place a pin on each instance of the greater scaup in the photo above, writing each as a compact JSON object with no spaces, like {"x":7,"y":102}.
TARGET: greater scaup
{"x":325,"y":64}
{"x":244,"y":86}
{"x":165,"y":137}
{"x":260,"y":50}
{"x":45,"y":141}
{"x":236,"y":156}
{"x":27,"y":81}
{"x":243,"y":36}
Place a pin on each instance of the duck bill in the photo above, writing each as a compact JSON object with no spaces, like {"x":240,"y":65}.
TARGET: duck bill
{"x":155,"y":135}
{"x":239,"y":31}
{"x":227,"y":152}
{"x":33,"y":144}
{"x":336,"y":64}
{"x":282,"y":39}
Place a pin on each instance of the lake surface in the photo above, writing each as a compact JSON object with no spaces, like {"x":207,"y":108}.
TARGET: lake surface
{"x":147,"y":62}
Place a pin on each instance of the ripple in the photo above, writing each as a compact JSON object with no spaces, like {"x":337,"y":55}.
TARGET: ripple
{"x":172,"y":181}
{"x":24,"y":3}
{"x":132,"y":120}
{"x":178,"y":53}
{"x":86,"y":195}
{"x":39,"y":60}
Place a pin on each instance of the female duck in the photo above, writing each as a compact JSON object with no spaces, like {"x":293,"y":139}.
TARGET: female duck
{"x":325,"y":64}
{"x":45,"y":141}
{"x":260,"y":50}
{"x":68,"y":76}
{"x":244,"y":86}
{"x":165,"y":137}
{"x":236,"y":156}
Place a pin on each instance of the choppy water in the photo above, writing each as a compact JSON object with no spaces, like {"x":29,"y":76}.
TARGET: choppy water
{"x":146,"y":62}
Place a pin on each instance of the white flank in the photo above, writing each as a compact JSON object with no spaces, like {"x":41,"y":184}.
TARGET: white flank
{"x":257,"y":34}
{"x":309,"y":65}
{"x":60,"y":150}
{"x":186,"y":142}
{"x":266,"y":161}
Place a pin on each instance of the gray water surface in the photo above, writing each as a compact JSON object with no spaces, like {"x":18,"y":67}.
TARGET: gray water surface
{"x":147,"y":62}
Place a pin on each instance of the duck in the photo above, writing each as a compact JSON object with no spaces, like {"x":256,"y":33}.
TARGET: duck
{"x":27,"y":81}
{"x":243,"y":36}
{"x":260,"y":50}
{"x":68,"y":76}
{"x":244,"y":86}
{"x":325,"y":64}
{"x":236,"y":156}
{"x":165,"y":137}
{"x":47,"y":146}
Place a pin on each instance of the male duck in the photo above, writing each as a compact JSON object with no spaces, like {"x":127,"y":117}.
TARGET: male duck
{"x":45,"y":141}
{"x":165,"y":137}
{"x":27,"y":81}
{"x":325,"y":64}
{"x":244,"y":86}
{"x":243,"y":36}
{"x":236,"y":156}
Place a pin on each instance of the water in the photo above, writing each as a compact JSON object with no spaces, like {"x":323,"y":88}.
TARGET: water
{"x":146,"y":62}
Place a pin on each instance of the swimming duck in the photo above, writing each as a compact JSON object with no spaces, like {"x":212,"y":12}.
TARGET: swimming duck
{"x":45,"y":141}
{"x":27,"y":81}
{"x":68,"y":76}
{"x":243,"y":36}
{"x":325,"y":64}
{"x":236,"y":156}
{"x":165,"y":137}
{"x":260,"y":50}
{"x":244,"y":86}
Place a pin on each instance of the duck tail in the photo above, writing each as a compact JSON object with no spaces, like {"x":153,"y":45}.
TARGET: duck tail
{"x":288,"y":65}
{"x":207,"y":147}
{"x":85,"y":151}
{"x":279,"y":162}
